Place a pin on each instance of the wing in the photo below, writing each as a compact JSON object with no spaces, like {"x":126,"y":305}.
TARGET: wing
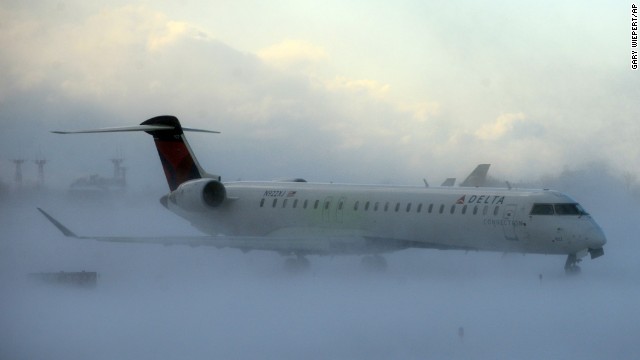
{"x":297,"y":242}
{"x":292,"y":241}
{"x":240,"y":242}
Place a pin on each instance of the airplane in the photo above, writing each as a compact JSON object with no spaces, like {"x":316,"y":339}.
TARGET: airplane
{"x":449,"y":182}
{"x":297,"y":218}
{"x":477,"y":177}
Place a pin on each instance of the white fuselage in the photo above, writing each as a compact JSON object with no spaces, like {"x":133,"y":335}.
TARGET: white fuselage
{"x":371,"y":219}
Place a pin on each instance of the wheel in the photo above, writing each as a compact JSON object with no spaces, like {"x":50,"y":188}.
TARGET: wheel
{"x":571,"y":265}
{"x":573,"y":270}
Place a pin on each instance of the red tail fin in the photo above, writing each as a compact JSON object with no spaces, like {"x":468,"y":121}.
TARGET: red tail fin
{"x":178,"y":161}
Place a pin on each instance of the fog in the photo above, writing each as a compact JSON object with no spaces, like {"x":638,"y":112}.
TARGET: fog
{"x":155,"y":302}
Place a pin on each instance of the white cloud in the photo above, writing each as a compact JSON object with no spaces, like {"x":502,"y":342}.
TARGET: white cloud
{"x":171,"y":31}
{"x":500,"y":128}
{"x":365,"y":87}
{"x":297,"y":55}
{"x":135,"y":61}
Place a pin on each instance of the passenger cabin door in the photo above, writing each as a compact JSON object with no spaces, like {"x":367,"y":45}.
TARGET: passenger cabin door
{"x":509,"y":222}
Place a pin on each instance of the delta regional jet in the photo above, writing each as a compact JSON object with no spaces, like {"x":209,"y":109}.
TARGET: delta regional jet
{"x":297,"y":218}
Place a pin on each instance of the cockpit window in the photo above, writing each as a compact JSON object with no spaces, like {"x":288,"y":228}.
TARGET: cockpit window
{"x":542,"y":209}
{"x":569,"y":209}
{"x":557,"y":209}
{"x":582,"y":210}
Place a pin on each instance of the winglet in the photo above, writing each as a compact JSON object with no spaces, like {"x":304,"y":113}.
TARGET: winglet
{"x":63,"y":229}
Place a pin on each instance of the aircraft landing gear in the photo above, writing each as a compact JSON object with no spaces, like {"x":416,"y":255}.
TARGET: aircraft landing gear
{"x":571,"y":265}
{"x":297,"y":264}
{"x":374,"y":263}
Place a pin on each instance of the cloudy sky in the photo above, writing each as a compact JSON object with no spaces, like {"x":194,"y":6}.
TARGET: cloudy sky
{"x":330,"y":91}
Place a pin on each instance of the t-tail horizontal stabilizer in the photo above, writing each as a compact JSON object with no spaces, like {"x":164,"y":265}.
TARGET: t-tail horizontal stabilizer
{"x":178,"y":161}
{"x":146,"y":128}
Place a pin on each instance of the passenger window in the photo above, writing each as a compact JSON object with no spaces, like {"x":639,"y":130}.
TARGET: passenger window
{"x":408,"y":207}
{"x":441,"y":208}
{"x":295,"y":203}
{"x":419,"y":208}
{"x":542,"y":209}
{"x":315,"y":204}
{"x":430,"y":208}
{"x":304,"y":205}
{"x":326,"y":205}
{"x":453,"y":209}
{"x":366,"y":206}
{"x":340,"y":204}
{"x":375,"y":207}
{"x":397,"y":207}
{"x":275,"y":202}
{"x":356,"y":205}
{"x":475,"y":210}
{"x":262,"y":203}
{"x":495,"y":210}
{"x":464,"y":209}
{"x":284,"y":203}
{"x":386,"y":206}
{"x":485,"y":210}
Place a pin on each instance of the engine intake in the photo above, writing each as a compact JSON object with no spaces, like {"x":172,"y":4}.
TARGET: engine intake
{"x":199,"y":195}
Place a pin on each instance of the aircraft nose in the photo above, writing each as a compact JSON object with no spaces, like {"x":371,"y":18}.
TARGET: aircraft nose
{"x":597,"y":239}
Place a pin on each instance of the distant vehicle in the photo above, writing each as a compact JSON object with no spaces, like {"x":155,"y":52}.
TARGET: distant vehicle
{"x":77,"y":278}
{"x":96,"y":184}
{"x":299,"y":218}
{"x":93,"y":185}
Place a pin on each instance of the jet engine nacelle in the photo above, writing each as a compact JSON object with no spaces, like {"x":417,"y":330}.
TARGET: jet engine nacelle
{"x":199,"y":195}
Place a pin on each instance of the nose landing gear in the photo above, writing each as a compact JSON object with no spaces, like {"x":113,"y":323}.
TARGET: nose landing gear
{"x":571,"y":265}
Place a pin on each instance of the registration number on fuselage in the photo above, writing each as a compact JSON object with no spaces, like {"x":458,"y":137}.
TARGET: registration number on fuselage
{"x":279,"y":193}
